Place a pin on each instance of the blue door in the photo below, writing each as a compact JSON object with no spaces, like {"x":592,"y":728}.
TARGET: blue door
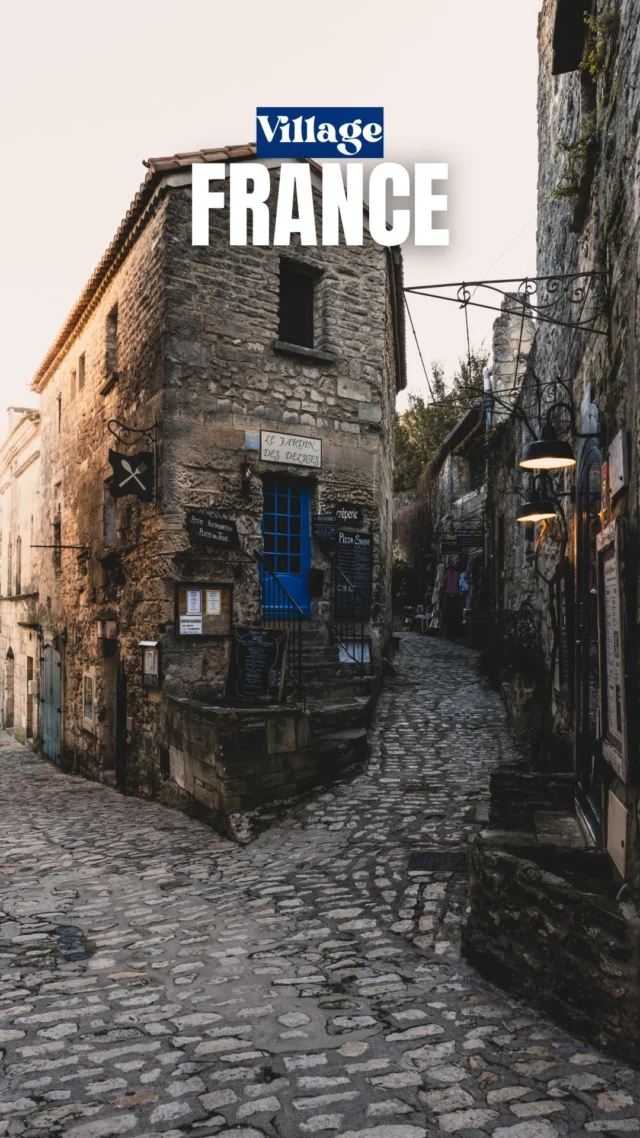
{"x":51,"y":705}
{"x":285,"y":529}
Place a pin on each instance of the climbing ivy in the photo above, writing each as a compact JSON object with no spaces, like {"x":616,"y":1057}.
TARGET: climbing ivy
{"x":577,"y":156}
{"x":599,"y":61}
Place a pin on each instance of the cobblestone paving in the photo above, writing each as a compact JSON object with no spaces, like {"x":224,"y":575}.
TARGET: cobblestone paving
{"x":158,"y":980}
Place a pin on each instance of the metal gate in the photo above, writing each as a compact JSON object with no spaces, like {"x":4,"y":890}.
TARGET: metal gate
{"x":121,"y":729}
{"x":51,"y":703}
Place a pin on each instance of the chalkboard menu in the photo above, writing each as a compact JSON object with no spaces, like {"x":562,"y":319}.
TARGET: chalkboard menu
{"x":354,"y":559}
{"x":256,"y":663}
{"x":324,"y":527}
{"x":203,"y":529}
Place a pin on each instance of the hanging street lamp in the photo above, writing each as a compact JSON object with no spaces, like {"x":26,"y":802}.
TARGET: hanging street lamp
{"x":537,"y":509}
{"x":548,"y":452}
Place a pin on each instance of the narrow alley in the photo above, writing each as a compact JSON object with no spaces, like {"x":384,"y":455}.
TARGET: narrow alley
{"x":157,"y":979}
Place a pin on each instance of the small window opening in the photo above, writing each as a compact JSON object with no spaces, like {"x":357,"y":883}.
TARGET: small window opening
{"x":81,"y":367}
{"x":57,"y":540}
{"x":18,"y":566}
{"x":295,"y":313}
{"x":111,"y":365}
{"x":59,"y":402}
{"x":569,"y":36}
{"x":72,"y":385}
{"x":476,"y":470}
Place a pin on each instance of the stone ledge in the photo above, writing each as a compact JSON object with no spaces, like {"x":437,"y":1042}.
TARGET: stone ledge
{"x":312,"y":354}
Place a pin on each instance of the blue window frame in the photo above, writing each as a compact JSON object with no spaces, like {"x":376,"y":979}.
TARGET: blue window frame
{"x":285,"y":530}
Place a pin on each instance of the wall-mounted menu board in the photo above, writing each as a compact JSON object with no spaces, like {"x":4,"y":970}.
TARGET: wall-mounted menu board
{"x":203,"y":608}
{"x":256,"y":663}
{"x":324,"y":528}
{"x":354,"y":559}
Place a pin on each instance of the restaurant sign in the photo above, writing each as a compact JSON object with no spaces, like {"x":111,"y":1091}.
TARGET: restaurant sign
{"x":203,"y":529}
{"x":292,"y":450}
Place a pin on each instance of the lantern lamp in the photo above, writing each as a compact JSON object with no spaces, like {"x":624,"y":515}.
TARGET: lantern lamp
{"x":547,"y":453}
{"x":537,"y":509}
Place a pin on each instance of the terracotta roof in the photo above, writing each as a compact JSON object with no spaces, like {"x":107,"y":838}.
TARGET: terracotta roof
{"x":157,"y":169}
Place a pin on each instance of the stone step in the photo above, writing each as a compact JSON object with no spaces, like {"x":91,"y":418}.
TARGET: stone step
{"x":354,"y":738}
{"x":328,"y":716}
{"x":325,"y":687}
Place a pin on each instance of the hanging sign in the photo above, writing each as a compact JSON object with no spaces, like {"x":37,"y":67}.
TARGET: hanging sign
{"x":256,"y":663}
{"x":132,"y":474}
{"x":354,"y":559}
{"x":293,"y":450}
{"x":203,"y":608}
{"x":324,"y":527}
{"x":348,"y":514}
{"x":203,"y":529}
{"x":613,"y":711}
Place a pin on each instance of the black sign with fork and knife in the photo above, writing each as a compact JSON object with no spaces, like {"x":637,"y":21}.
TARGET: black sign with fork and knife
{"x":133,"y":474}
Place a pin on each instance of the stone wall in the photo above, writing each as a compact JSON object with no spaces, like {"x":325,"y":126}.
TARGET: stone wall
{"x":545,"y":924}
{"x":20,"y":495}
{"x":225,"y":375}
{"x":228,"y":760}
{"x":588,"y":221}
{"x":118,"y":576}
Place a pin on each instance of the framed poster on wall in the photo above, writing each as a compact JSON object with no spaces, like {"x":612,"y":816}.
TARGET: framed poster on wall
{"x":613,"y":702}
{"x":203,"y":608}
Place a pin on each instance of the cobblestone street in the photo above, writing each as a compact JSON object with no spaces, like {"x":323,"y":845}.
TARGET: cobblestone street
{"x":156,"y":979}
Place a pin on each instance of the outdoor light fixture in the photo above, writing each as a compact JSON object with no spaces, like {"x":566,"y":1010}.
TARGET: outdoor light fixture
{"x":537,"y":509}
{"x":548,"y":452}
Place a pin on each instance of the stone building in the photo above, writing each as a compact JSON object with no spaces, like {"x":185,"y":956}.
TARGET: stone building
{"x":570,"y":941}
{"x":19,"y":530}
{"x":456,"y":476}
{"x":253,"y":389}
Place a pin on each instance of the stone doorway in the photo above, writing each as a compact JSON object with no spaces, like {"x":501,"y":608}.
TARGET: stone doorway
{"x":9,"y":690}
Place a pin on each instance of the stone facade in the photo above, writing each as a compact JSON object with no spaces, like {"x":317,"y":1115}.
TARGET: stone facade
{"x":588,"y":222}
{"x":19,"y":531}
{"x":186,"y":340}
{"x":556,"y":883}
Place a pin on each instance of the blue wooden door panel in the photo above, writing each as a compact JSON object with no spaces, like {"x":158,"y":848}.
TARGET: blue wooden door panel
{"x":286,"y":534}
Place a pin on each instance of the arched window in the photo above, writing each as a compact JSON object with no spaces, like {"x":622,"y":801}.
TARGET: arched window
{"x":18,"y":565}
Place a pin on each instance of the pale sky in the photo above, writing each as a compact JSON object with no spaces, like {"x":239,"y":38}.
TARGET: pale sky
{"x":89,"y":90}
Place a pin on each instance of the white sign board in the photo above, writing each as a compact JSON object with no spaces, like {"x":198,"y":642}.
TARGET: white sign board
{"x":613,"y":712}
{"x":194,"y":601}
{"x":214,"y":602}
{"x":292,"y":450}
{"x":619,"y":463}
{"x":191,"y":626}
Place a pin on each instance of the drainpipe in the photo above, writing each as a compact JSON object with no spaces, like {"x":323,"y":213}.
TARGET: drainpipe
{"x":488,"y":396}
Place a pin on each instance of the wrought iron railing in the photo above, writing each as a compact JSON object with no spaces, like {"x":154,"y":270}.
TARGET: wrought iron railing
{"x":279,"y":610}
{"x":349,"y":614}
